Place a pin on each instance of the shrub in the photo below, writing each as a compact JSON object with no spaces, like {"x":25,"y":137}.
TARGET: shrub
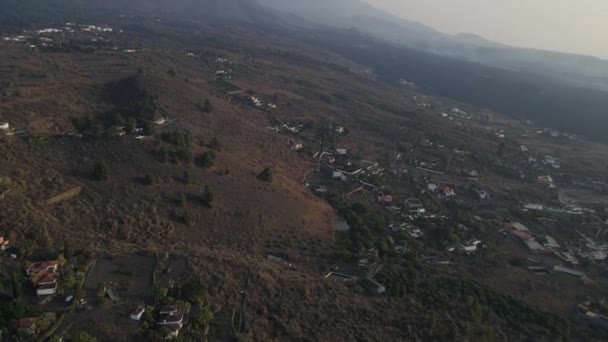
{"x":187,"y":218}
{"x":214,"y":144}
{"x":163,"y":154}
{"x":101,"y":171}
{"x":172,"y":72}
{"x":185,"y":154}
{"x":149,"y":179}
{"x":207,"y":159}
{"x":207,"y":197}
{"x":207,"y":106}
{"x":265,"y":175}
{"x":148,"y":127}
{"x":4,"y":184}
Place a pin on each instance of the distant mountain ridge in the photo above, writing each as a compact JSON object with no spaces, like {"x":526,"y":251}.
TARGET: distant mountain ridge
{"x":575,"y":69}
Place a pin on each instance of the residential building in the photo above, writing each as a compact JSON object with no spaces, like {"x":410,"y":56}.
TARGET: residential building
{"x":43,"y":276}
{"x":4,"y":126}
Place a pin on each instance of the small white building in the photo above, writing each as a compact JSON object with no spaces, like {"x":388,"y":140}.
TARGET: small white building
{"x":297,"y":146}
{"x":551,"y":243}
{"x":4,"y":126}
{"x":138,"y":313}
{"x":520,"y":227}
{"x":469,"y":246}
{"x":534,"y":206}
{"x":160,"y":121}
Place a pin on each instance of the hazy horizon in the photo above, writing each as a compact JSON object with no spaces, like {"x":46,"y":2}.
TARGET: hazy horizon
{"x":565,"y":26}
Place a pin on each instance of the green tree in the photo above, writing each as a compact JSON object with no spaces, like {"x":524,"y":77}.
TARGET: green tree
{"x":101,"y":171}
{"x":67,"y":252}
{"x":171,"y":72}
{"x":61,"y":260}
{"x":187,"y":177}
{"x":4,"y":184}
{"x":265,"y":175}
{"x":101,"y":293}
{"x":17,"y":281}
{"x":149,"y":128}
{"x":185,"y":154}
{"x":183,"y":200}
{"x":68,"y":280}
{"x":130,"y":125}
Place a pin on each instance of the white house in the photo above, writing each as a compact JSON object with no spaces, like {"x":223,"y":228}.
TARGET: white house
{"x":4,"y":126}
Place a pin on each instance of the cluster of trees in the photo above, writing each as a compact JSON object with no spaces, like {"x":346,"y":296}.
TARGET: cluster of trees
{"x":475,"y":304}
{"x":183,"y":144}
{"x":368,"y":228}
{"x":401,"y":281}
{"x":15,"y":306}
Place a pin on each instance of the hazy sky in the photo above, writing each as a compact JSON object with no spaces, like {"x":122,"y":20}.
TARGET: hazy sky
{"x":579,"y":26}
